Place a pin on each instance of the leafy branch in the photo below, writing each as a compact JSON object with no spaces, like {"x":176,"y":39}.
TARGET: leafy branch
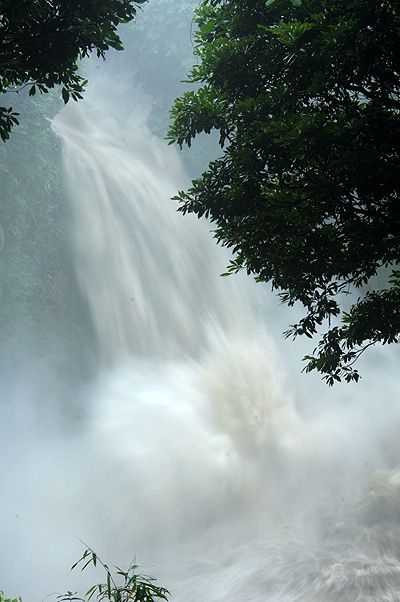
{"x":119,"y":585}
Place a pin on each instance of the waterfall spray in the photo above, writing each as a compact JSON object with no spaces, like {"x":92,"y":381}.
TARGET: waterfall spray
{"x":192,"y":452}
{"x":213,"y":421}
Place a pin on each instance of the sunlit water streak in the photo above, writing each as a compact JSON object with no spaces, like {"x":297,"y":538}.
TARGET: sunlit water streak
{"x":193,"y":454}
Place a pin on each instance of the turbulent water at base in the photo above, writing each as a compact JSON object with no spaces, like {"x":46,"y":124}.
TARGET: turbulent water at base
{"x":193,"y":453}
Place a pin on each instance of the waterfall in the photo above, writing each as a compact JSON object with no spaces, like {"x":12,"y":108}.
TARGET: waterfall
{"x":149,"y":275}
{"x":194,"y":451}
{"x":232,"y":494}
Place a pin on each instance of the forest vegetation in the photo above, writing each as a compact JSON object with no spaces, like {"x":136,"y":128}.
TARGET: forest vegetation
{"x":41,"y":44}
{"x":305,"y":97}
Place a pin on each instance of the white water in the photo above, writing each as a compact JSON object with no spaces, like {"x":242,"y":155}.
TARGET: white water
{"x":192,"y":454}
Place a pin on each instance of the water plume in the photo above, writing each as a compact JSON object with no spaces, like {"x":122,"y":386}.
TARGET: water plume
{"x":193,"y":452}
{"x":204,"y":406}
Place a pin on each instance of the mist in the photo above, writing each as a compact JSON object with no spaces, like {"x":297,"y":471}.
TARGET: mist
{"x":177,"y":429}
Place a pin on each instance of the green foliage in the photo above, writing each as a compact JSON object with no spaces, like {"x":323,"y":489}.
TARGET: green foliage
{"x":305,"y":98}
{"x":4,"y":599}
{"x":119,"y":585}
{"x":41,"y":42}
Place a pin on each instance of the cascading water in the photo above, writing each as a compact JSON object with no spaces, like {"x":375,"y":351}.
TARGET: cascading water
{"x":230,"y":494}
{"x":192,"y":453}
{"x":149,"y":277}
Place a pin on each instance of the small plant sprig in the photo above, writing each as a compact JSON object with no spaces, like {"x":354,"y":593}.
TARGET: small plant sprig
{"x":4,"y":599}
{"x":120,"y":586}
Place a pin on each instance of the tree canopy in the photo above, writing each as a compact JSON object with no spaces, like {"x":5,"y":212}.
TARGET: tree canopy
{"x":305,"y":96}
{"x":42,"y":40}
